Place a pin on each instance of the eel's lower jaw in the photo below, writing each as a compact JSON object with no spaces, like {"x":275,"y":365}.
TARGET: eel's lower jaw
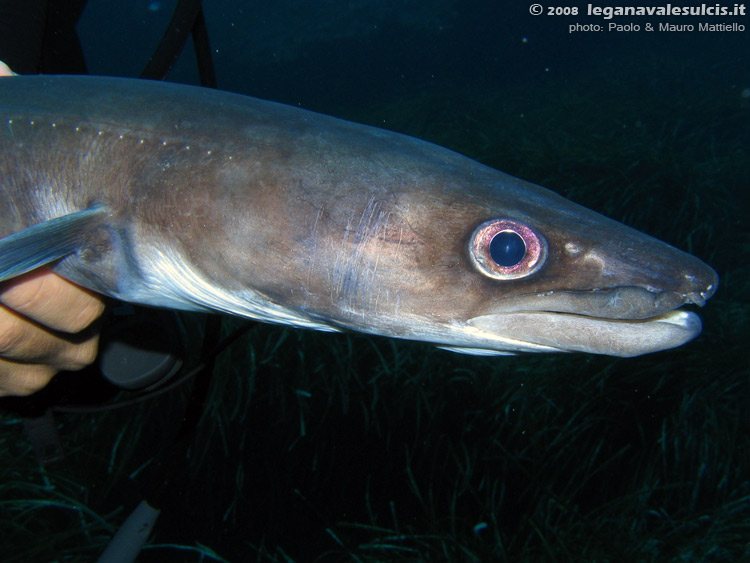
{"x":544,"y":331}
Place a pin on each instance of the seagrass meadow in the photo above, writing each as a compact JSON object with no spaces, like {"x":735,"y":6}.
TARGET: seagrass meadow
{"x":336,"y":447}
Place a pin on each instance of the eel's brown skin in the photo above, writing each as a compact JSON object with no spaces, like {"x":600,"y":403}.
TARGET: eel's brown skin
{"x":218,"y":201}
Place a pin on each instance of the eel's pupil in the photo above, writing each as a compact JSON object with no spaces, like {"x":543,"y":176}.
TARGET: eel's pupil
{"x":507,"y":249}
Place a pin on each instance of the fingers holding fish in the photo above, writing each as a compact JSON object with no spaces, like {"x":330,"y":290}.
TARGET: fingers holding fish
{"x":20,"y":379}
{"x":45,"y":327}
{"x":30,"y":354}
{"x":54,"y":302}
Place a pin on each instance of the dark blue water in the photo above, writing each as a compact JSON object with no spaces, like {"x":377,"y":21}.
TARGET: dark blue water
{"x":649,"y":127}
{"x":304,"y":51}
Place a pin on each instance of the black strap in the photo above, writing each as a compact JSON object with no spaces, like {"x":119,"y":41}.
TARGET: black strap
{"x":187,"y":18}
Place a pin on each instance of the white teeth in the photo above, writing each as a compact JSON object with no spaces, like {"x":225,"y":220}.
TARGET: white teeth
{"x":696,"y":298}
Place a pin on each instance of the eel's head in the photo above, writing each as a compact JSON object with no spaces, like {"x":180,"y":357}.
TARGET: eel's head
{"x":511,"y":267}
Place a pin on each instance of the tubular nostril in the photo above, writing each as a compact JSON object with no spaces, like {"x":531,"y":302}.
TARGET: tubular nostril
{"x":709,"y":291}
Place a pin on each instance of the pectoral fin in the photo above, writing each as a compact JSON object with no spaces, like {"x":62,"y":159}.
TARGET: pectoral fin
{"x":45,"y":242}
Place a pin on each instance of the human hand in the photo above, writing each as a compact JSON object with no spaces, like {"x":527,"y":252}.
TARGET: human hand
{"x":45,"y":327}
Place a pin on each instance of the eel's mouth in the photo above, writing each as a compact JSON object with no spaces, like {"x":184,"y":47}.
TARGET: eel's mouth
{"x":616,"y":303}
{"x":621,"y":321}
{"x":545,"y":331}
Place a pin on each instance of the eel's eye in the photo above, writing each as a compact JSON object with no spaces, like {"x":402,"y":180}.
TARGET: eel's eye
{"x":506,"y":250}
